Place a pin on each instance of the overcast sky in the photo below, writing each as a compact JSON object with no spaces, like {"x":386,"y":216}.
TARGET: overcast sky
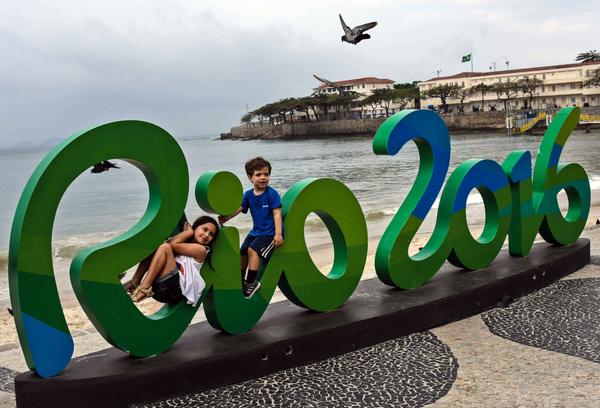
{"x":192,"y":66}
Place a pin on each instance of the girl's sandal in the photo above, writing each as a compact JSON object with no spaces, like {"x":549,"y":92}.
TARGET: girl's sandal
{"x":140,"y":294}
{"x":130,"y":286}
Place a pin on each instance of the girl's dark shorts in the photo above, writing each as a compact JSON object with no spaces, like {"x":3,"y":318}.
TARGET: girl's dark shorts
{"x":166,"y":288}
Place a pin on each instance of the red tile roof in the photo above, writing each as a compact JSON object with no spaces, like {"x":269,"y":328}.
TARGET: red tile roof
{"x":511,"y":71}
{"x":358,"y":81}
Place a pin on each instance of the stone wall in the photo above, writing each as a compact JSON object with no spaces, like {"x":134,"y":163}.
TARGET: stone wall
{"x":306,"y":129}
{"x":472,"y":121}
{"x":476,"y":121}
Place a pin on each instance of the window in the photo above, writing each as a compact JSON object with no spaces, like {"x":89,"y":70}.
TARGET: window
{"x":573,"y":86}
{"x":544,"y":76}
{"x":553,"y":88}
{"x":543,"y":88}
{"x":573,"y":100}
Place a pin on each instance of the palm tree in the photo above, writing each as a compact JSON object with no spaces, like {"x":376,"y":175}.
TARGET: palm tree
{"x":589,"y":56}
{"x":483,"y":88}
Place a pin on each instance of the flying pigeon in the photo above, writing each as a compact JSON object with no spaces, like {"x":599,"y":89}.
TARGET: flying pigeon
{"x":355,"y":35}
{"x":325,"y":81}
{"x":103,"y":166}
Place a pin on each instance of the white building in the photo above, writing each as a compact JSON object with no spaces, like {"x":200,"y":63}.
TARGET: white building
{"x":561,"y":86}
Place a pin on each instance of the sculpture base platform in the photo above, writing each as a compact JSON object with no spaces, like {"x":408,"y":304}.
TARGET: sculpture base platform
{"x":288,"y":336}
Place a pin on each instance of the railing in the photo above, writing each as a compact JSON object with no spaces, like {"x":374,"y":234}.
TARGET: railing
{"x":525,"y":127}
{"x":583,"y":118}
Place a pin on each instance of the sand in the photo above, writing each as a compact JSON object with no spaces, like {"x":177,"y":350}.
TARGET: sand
{"x":322,"y":256}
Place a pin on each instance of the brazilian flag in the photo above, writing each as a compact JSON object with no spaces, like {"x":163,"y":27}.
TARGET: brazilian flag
{"x":466,"y":58}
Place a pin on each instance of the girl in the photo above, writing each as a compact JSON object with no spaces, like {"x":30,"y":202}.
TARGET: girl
{"x":174,"y":269}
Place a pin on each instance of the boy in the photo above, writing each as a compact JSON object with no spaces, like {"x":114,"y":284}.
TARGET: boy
{"x":267,"y":230}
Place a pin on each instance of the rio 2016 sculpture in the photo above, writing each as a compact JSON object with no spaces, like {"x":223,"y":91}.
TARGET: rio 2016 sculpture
{"x":516,"y":204}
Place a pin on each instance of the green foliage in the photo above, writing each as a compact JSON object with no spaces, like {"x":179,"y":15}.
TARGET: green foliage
{"x":247,"y":118}
{"x":462,"y":94}
{"x":505,"y":91}
{"x":528,"y":86}
{"x":594,"y":81}
{"x":405,"y":92}
{"x":443,"y":92}
{"x":589,"y":56}
{"x":483,"y":88}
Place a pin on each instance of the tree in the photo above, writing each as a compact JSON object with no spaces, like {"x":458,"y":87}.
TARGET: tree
{"x":372,"y":101}
{"x":505,"y":91}
{"x":462,"y":94}
{"x":402,"y":96}
{"x":324,"y":102}
{"x":528,"y":86}
{"x":267,"y":111}
{"x":409,"y":90}
{"x":384,"y":97}
{"x":483,"y":88}
{"x":594,"y":80}
{"x":305,"y":104}
{"x":589,"y":56}
{"x":442,"y":92}
{"x":344,"y":100}
{"x":247,"y":119}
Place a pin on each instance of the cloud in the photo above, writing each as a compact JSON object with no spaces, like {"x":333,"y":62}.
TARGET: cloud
{"x":192,"y":67}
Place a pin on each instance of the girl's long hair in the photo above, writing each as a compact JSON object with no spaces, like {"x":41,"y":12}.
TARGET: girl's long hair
{"x":205,"y":219}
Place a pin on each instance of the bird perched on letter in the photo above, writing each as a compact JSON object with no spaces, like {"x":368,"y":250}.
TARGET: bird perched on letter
{"x":356,"y":34}
{"x":103,"y":166}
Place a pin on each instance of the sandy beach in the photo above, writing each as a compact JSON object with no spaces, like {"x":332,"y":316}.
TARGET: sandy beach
{"x":321,"y":254}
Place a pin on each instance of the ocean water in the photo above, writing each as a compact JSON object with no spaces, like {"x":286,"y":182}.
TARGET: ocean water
{"x":97,"y":207}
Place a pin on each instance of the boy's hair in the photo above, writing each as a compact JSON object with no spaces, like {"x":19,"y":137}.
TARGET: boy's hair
{"x":256,"y":164}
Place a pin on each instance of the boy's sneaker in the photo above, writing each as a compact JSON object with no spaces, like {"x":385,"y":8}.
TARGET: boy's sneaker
{"x":251,"y":288}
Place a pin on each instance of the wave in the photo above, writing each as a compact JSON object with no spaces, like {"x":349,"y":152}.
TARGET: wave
{"x":65,"y":249}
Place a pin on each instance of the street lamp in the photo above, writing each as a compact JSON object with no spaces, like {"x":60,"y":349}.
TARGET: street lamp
{"x":506,"y":61}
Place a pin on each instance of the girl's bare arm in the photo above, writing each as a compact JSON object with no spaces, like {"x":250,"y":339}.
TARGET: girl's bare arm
{"x":180,"y":247}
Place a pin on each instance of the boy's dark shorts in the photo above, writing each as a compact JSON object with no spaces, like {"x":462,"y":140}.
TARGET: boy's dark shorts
{"x":167,"y":289}
{"x":263,"y":245}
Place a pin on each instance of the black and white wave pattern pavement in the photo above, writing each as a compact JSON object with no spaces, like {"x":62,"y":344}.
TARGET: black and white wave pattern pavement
{"x":563,"y":317}
{"x":412,"y":371}
{"x":7,"y":379}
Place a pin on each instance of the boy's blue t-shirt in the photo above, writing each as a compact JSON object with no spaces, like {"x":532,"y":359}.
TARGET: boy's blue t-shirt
{"x":261,"y":207}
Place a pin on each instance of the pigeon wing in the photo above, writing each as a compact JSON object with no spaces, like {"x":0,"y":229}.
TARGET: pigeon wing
{"x":363,"y":27}
{"x":325,"y":81}
{"x":347,"y":29}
